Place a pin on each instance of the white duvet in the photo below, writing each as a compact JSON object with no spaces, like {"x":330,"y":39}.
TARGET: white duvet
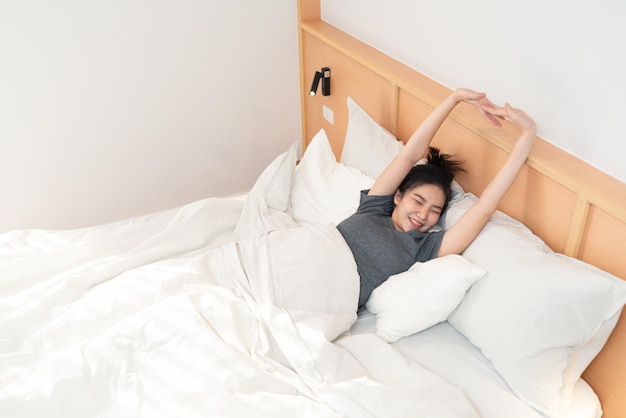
{"x":166,"y":316}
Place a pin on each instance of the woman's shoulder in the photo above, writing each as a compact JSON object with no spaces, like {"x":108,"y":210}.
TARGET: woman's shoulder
{"x":375,"y":203}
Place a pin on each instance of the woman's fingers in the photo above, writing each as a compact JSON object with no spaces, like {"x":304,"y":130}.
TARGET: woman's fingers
{"x":490,"y":117}
{"x":492,"y":113}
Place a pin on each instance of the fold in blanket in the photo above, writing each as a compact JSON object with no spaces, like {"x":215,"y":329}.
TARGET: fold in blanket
{"x":175,"y":321}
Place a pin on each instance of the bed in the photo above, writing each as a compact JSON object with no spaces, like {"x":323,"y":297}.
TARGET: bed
{"x":247,"y":306}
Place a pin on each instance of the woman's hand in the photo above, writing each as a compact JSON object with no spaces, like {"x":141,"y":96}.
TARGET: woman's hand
{"x":480,"y":101}
{"x":517,"y":116}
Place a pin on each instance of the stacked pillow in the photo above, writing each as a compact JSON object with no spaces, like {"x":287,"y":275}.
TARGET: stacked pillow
{"x":323,"y":189}
{"x":538,"y":316}
{"x":424,"y":295}
{"x":367,"y":146}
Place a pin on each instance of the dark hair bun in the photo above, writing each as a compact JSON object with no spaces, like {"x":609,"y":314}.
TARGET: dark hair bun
{"x":449,"y":165}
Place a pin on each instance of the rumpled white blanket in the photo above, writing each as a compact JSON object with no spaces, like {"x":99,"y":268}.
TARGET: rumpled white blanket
{"x":165,"y":316}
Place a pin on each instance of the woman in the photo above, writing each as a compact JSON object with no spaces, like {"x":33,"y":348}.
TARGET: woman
{"x":393,"y":226}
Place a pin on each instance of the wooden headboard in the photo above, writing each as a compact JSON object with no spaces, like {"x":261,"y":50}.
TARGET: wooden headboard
{"x":576,"y":209}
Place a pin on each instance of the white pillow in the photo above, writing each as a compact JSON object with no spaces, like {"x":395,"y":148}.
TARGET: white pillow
{"x":424,"y":295}
{"x":266,"y":206}
{"x":323,"y":189}
{"x":538,"y":316}
{"x":368,"y":146}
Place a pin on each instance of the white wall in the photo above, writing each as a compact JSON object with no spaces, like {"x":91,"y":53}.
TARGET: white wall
{"x":111,"y":109}
{"x":564,"y":62}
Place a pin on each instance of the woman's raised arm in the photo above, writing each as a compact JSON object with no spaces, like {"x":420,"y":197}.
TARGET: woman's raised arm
{"x":461,"y":234}
{"x":389,"y":180}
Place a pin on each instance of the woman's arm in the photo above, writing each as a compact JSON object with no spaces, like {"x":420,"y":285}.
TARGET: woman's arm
{"x":417,"y":145}
{"x":461,"y":234}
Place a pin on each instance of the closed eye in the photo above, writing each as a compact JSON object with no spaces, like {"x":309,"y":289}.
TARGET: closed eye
{"x":420,"y":200}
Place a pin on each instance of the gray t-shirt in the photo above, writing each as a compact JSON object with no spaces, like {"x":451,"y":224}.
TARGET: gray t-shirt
{"x":379,"y":250}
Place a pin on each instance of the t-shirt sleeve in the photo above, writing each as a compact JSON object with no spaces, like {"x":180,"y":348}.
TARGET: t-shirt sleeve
{"x":382,"y":204}
{"x":430,"y":244}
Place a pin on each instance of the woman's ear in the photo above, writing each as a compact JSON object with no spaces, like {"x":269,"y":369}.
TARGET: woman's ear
{"x":397,"y":196}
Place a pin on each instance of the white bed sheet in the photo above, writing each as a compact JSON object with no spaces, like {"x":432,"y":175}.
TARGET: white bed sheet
{"x":446,"y":352}
{"x":162,"y":316}
{"x":135,"y":319}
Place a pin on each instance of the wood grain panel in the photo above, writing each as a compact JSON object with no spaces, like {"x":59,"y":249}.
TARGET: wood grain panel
{"x":370,"y":90}
{"x":605,"y":242}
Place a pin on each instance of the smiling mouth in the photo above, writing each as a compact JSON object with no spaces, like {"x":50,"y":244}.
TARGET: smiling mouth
{"x":415,"y":224}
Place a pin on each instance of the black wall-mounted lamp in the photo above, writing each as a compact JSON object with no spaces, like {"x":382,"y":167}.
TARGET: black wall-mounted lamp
{"x":324,"y":76}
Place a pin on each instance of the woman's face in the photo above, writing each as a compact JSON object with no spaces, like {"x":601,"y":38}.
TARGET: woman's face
{"x":418,"y":208}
